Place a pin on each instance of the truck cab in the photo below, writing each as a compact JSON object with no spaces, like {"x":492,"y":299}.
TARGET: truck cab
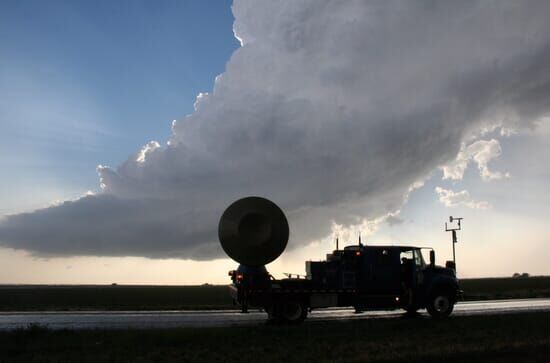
{"x":401,"y":272}
{"x":388,"y":277}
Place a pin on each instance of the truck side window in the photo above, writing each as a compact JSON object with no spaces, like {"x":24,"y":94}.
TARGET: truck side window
{"x":406,"y":256}
{"x":418,"y":259}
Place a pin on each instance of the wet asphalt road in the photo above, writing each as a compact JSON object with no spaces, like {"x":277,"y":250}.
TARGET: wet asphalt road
{"x":172,"y":319}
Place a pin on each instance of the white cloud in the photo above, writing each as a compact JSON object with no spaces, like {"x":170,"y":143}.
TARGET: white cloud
{"x":481,"y":152}
{"x":332,"y":109}
{"x":451,"y":199}
{"x":349,"y":234}
{"x":148,"y":148}
{"x":507,"y":131}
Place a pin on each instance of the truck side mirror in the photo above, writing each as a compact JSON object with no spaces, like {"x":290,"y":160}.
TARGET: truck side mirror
{"x":432,"y":258}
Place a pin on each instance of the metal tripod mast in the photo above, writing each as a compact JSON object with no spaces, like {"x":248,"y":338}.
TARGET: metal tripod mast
{"x":453,"y":232}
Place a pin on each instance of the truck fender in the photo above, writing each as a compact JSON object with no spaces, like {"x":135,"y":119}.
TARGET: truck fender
{"x":442,"y":283}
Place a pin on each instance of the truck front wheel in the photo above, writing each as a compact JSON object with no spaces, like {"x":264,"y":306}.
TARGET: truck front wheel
{"x":440,"y":305}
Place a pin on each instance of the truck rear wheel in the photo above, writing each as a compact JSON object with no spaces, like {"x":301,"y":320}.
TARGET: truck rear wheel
{"x":293,"y":312}
{"x":289,"y":312}
{"x":440,"y":305}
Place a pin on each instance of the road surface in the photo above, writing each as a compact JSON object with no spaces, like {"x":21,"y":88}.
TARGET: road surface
{"x":172,"y":319}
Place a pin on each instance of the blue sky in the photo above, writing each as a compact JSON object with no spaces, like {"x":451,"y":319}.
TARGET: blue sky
{"x":87,"y":83}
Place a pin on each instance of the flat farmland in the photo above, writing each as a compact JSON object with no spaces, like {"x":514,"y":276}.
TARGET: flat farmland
{"x":209,"y":297}
{"x":119,"y":297}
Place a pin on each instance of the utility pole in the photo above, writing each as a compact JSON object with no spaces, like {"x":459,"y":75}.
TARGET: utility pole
{"x":453,"y":232}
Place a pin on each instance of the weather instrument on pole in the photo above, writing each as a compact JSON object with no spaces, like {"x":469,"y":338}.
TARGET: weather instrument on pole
{"x":453,"y":233}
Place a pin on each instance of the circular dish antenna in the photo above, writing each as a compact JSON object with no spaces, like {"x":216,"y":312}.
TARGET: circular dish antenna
{"x":253,"y":231}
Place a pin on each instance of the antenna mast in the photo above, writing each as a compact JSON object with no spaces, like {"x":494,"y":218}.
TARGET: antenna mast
{"x":453,"y":232}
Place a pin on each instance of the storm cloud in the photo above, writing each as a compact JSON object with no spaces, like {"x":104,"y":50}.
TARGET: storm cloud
{"x":332,"y":109}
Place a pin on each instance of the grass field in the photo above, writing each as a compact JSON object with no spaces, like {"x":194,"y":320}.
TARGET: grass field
{"x":96,"y":297}
{"x":506,"y":288}
{"x":502,"y":338}
{"x":210,"y":297}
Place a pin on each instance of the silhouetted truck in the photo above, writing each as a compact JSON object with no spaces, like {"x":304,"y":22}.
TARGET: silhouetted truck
{"x":254,"y":232}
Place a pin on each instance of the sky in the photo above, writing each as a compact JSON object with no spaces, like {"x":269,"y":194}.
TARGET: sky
{"x":128,"y":127}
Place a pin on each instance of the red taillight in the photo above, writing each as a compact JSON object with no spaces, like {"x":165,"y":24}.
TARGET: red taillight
{"x":358,"y":253}
{"x":240,"y":277}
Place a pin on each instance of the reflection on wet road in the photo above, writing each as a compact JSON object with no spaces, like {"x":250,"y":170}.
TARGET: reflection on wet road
{"x":171,"y":319}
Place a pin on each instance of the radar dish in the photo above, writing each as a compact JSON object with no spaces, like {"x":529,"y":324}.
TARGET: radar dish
{"x":253,"y":231}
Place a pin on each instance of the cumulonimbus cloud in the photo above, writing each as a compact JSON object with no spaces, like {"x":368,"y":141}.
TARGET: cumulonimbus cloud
{"x":333,"y":109}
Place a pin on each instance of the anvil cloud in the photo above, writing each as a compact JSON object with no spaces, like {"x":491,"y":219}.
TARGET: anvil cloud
{"x":333,"y":109}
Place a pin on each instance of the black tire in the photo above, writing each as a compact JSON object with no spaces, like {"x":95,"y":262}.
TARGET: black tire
{"x":293,"y":312}
{"x":440,"y":304}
